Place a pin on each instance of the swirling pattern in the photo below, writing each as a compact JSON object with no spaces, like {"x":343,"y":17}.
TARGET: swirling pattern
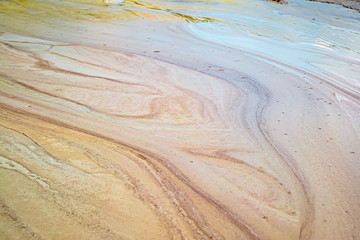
{"x":171,"y":124}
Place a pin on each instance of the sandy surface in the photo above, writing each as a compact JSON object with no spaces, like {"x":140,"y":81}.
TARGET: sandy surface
{"x":353,"y":4}
{"x":167,"y":126}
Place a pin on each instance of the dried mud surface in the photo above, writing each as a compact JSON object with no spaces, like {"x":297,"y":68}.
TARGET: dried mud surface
{"x":152,"y":131}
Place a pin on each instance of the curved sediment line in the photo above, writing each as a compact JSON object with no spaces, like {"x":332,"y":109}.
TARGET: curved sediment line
{"x":234,"y":113}
{"x":163,"y":162}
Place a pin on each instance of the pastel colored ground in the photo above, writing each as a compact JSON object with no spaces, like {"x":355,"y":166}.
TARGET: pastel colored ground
{"x":135,"y":121}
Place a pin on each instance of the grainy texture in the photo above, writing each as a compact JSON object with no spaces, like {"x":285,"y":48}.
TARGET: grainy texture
{"x":100,"y":140}
{"x":353,"y":4}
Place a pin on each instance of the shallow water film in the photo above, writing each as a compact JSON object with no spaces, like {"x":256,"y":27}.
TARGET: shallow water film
{"x":213,"y":119}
